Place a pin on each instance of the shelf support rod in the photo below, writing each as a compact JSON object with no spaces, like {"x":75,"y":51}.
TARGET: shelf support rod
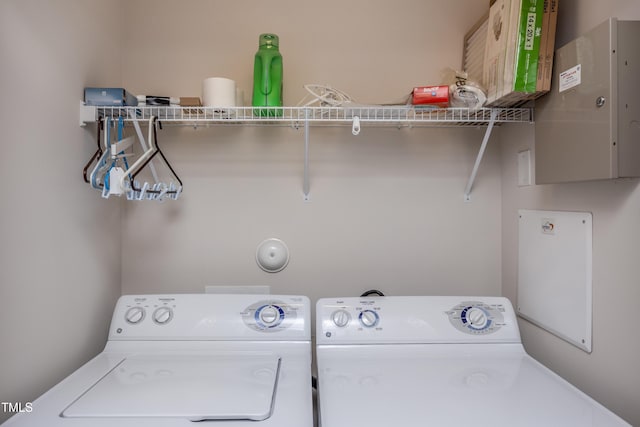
{"x":305,"y":185}
{"x":485,"y":140}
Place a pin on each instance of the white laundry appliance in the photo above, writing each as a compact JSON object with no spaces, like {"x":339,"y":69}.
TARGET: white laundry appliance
{"x":170,"y":360}
{"x":438,"y":361}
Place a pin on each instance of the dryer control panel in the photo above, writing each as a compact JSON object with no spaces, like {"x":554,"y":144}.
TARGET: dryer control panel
{"x":211,"y":317}
{"x":420,"y":319}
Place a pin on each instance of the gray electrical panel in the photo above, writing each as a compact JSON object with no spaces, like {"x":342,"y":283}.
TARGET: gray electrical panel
{"x":588,"y":126}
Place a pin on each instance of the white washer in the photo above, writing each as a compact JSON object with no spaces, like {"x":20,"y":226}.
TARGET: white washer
{"x":232,"y":360}
{"x":437,"y":361}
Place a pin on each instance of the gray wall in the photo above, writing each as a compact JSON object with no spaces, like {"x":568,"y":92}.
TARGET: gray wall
{"x":387,"y":208}
{"x":60,"y":241}
{"x":610,"y":373}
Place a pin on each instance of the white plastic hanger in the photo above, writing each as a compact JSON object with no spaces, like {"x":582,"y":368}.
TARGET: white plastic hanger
{"x":136,"y":126}
{"x":146,"y":156}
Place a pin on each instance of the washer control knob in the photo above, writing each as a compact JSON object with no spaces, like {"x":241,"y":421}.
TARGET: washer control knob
{"x":369,"y":318}
{"x":269,"y":315}
{"x":162,"y":315}
{"x":134,"y":315}
{"x":341,"y":318}
{"x":477,"y":318}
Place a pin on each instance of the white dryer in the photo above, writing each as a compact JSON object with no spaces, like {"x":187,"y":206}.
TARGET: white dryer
{"x":230,"y":360}
{"x":437,"y":361}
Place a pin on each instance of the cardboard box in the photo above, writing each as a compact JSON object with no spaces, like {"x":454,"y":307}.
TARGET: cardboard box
{"x":436,"y":96}
{"x":518,"y":78}
{"x":551,"y":45}
{"x":190,"y":101}
{"x":111,"y":97}
{"x":528,"y":47}
{"x":543,"y":47}
{"x":496,"y":48}
{"x":510,"y":56}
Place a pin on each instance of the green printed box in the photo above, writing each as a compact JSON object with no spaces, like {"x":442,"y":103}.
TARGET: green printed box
{"x":528,"y":46}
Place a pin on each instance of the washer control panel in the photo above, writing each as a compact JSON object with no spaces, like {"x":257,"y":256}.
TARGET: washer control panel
{"x":269,"y":316}
{"x":161,"y":310}
{"x":206,"y":317}
{"x":476,"y":317}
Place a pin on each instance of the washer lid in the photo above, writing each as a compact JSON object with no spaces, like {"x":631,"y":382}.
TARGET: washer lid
{"x":228,"y":386}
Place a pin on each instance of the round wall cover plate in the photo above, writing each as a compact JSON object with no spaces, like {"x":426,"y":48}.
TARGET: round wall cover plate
{"x":272,"y":255}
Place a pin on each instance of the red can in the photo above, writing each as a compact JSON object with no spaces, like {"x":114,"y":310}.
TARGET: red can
{"x":437,"y":96}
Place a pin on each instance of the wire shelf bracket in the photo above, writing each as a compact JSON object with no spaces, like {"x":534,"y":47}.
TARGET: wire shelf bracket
{"x":476,"y":166}
{"x":306,"y":185}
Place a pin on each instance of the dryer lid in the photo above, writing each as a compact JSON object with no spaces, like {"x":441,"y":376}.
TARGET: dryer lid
{"x":211,"y":386}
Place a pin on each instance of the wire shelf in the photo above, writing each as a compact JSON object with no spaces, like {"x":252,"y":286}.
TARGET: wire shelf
{"x":295,"y":116}
{"x":350,"y":115}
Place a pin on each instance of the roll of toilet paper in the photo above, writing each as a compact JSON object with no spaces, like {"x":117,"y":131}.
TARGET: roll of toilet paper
{"x":467,"y":96}
{"x":218,"y":92}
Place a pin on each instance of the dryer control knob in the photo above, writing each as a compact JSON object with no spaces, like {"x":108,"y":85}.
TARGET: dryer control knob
{"x":477,"y":318}
{"x":134,"y":315}
{"x":269,"y":315}
{"x":369,"y":318}
{"x":163,"y":315}
{"x":341,"y":318}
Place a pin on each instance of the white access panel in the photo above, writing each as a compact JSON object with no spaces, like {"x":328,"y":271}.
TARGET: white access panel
{"x":555,"y":273}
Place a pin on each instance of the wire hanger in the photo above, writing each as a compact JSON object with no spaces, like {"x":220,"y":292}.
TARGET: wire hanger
{"x":95,"y":155}
{"x":158,"y":190}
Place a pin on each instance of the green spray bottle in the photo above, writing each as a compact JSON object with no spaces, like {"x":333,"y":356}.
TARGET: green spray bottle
{"x":267,"y":77}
